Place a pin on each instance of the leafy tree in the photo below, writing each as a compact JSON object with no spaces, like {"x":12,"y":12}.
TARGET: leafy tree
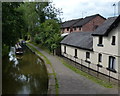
{"x":49,"y":34}
{"x":36,"y":13}
{"x":12,"y":24}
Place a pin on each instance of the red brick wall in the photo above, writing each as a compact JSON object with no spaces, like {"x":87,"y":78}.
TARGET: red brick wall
{"x":90,"y":26}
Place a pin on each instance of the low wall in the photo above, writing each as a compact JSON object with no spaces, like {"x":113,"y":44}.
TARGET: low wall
{"x":91,"y":69}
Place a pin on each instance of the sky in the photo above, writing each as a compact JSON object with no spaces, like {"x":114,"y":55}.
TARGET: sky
{"x":74,"y":9}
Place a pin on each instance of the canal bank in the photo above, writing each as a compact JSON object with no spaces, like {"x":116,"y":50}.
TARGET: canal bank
{"x":71,"y":82}
{"x":52,"y":79}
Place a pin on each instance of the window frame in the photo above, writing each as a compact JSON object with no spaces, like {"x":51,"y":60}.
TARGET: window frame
{"x":87,"y":55}
{"x":65,"y":49}
{"x":67,"y":29}
{"x":100,"y":41}
{"x":111,"y":62}
{"x":99,"y":57}
{"x":76,"y":53}
{"x":113,"y":40}
{"x":75,"y":28}
{"x":113,"y":65}
{"x":79,"y":28}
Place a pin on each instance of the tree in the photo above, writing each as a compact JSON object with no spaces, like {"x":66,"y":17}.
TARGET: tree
{"x":36,"y":13}
{"x":11,"y":24}
{"x":49,"y":34}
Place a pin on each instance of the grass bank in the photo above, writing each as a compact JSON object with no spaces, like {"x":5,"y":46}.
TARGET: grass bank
{"x":97,"y":80}
{"x":47,"y":61}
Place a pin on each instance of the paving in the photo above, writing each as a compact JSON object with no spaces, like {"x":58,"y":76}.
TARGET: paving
{"x":73,"y":83}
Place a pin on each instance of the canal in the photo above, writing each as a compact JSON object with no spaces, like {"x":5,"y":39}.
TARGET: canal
{"x":24,"y":74}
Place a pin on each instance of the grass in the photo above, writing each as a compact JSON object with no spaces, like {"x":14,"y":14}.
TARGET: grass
{"x":47,"y":62}
{"x":98,"y":81}
{"x":41,"y":47}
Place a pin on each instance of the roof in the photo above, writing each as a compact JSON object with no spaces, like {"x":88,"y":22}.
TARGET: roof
{"x":70,"y":23}
{"x":86,"y":20}
{"x":81,"y":40}
{"x":107,"y":26}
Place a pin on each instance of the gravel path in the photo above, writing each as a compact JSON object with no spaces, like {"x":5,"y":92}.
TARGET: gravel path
{"x":73,"y":83}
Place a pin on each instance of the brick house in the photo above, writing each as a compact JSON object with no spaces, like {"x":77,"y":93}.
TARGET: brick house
{"x":89,"y":23}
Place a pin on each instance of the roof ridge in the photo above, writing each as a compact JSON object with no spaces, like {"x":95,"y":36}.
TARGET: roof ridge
{"x":92,"y":15}
{"x":73,"y":19}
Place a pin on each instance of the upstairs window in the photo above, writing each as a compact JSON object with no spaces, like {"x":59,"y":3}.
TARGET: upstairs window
{"x":79,"y":28}
{"x":88,"y":55}
{"x":65,"y":49}
{"x":75,"y":28}
{"x":67,"y":29}
{"x":100,"y":42}
{"x":99,"y":57}
{"x":75,"y":53}
{"x":113,"y":40}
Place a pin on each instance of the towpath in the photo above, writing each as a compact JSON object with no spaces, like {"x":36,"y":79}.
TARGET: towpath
{"x":73,"y":83}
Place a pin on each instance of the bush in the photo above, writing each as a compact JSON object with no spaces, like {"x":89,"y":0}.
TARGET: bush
{"x":5,"y":50}
{"x":37,"y":39}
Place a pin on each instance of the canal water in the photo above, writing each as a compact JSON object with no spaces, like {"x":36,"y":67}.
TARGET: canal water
{"x":23,"y":74}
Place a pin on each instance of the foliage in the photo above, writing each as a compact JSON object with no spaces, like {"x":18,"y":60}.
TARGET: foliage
{"x":21,"y":20}
{"x":36,"y":13}
{"x":12,"y":24}
{"x":5,"y":50}
{"x":49,"y":34}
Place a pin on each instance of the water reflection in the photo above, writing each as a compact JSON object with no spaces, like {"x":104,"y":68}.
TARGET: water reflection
{"x":24,"y":74}
{"x":12,"y":56}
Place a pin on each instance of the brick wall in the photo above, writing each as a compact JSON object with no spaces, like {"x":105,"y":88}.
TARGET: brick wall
{"x":90,"y":26}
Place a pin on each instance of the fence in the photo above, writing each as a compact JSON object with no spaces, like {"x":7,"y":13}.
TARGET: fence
{"x":93,"y":69}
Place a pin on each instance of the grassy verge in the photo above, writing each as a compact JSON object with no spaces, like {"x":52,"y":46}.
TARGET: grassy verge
{"x":100,"y":82}
{"x":47,"y":62}
{"x":41,"y":47}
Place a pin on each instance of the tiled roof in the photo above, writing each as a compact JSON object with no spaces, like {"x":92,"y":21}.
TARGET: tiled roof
{"x":81,"y":40}
{"x":107,"y":26}
{"x":70,"y":23}
{"x":86,"y":20}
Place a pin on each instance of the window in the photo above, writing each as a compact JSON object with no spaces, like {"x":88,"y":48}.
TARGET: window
{"x":87,"y":55}
{"x":75,"y":28}
{"x":113,"y":40}
{"x":111,"y":62}
{"x":65,"y":49}
{"x":99,"y":57}
{"x":79,"y":28}
{"x":100,"y":41}
{"x":71,"y":29}
{"x":75,"y":53}
{"x":67,"y":29}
